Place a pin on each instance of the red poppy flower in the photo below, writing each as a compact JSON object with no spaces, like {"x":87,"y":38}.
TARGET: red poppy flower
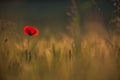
{"x":30,"y":30}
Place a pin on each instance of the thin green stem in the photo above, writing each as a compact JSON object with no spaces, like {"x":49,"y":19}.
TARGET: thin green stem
{"x":28,"y":42}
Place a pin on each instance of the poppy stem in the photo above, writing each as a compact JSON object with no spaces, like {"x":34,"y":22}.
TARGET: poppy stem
{"x":28,"y":51}
{"x":28,"y":43}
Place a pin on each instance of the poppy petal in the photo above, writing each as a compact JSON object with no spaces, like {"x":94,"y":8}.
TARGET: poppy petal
{"x":30,"y":30}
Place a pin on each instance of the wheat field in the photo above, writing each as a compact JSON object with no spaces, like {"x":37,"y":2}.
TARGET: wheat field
{"x":95,"y":57}
{"x":82,"y":52}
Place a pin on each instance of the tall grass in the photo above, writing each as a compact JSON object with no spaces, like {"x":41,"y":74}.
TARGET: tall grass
{"x":92,"y":56}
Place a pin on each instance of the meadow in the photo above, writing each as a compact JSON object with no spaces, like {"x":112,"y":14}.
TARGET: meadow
{"x":91,"y":52}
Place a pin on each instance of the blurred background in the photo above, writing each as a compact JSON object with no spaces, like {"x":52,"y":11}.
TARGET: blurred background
{"x":78,"y":40}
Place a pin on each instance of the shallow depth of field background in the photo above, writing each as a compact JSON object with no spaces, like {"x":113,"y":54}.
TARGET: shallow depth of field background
{"x":78,"y":40}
